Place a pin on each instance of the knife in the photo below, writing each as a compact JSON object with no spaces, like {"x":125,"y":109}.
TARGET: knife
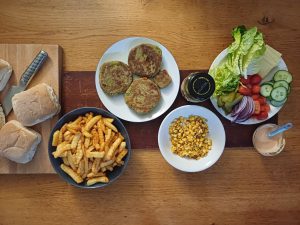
{"x":26,"y":77}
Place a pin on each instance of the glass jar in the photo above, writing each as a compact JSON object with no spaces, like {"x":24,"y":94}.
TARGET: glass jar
{"x":197,"y":87}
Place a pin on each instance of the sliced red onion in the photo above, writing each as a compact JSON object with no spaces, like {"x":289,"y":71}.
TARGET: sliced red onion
{"x":239,"y":107}
{"x":246,"y":112}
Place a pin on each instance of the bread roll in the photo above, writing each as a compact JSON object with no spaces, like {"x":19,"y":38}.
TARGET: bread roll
{"x":5,"y":72}
{"x":18,"y":143}
{"x":35,"y":105}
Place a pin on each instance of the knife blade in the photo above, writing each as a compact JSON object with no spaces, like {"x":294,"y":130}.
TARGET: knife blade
{"x":26,"y":77}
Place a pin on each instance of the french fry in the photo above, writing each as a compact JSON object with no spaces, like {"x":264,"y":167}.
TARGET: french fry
{"x":91,"y":148}
{"x":110,"y":168}
{"x":108,"y":135}
{"x":95,"y":139}
{"x":102,"y":146}
{"x":107,"y":163}
{"x":61,"y":148}
{"x":63,"y":129}
{"x":99,"y":174}
{"x":101,"y":125}
{"x":86,"y":166}
{"x":95,"y":166}
{"x":121,"y":147}
{"x":78,"y":120}
{"x":92,"y":122}
{"x":60,"y":137}
{"x":110,"y":120}
{"x":112,"y":149}
{"x":110,"y":125}
{"x":71,"y":160}
{"x":100,"y":132}
{"x":87,"y":142}
{"x":95,"y":154}
{"x":121,"y":155}
{"x":65,"y":160}
{"x":103,"y":169}
{"x":87,"y":134}
{"x":97,"y":180}
{"x":73,"y":131}
{"x":55,"y":138}
{"x":71,"y":173}
{"x":80,"y":169}
{"x":79,"y":152}
{"x":75,"y":140}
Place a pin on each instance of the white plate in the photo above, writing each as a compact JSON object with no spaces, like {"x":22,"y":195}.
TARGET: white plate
{"x":116,"y":104}
{"x":216,"y":133}
{"x":273,"y":110}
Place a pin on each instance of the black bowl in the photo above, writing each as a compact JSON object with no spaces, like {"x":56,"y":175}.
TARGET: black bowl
{"x":71,"y":116}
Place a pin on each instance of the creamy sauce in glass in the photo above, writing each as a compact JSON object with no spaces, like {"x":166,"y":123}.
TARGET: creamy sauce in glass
{"x":268,"y":146}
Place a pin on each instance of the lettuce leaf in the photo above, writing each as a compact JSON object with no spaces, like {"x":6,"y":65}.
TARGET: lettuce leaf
{"x":248,"y":45}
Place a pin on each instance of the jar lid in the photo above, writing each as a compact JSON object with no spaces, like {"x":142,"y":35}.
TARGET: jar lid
{"x":201,"y":86}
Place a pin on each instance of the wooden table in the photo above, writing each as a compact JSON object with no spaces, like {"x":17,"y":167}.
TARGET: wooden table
{"x":242,"y":188}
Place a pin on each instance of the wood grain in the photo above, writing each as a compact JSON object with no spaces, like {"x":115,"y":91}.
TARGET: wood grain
{"x":254,"y":190}
{"x":20,"y":56}
{"x":242,"y":188}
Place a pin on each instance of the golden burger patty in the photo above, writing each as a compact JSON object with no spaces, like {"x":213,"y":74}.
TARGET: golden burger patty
{"x":142,"y":95}
{"x":115,"y":77}
{"x":145,"y":60}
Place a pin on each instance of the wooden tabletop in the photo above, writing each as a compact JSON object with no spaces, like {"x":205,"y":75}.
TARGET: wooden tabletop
{"x":241,"y":188}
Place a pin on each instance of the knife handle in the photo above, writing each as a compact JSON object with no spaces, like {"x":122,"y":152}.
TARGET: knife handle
{"x":33,"y":68}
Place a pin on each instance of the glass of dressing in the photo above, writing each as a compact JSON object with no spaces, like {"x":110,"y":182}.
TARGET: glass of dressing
{"x":265,"y":145}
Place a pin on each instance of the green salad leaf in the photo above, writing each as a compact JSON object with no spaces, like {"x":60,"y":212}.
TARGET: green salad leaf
{"x":247,"y":46}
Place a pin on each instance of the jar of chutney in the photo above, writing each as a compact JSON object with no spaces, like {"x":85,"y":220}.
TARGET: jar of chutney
{"x":197,"y":87}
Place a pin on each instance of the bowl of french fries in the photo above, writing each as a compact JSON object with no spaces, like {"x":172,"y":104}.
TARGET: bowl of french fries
{"x":89,"y":147}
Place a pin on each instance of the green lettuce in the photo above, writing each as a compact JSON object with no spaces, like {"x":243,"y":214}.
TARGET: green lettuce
{"x":248,"y":45}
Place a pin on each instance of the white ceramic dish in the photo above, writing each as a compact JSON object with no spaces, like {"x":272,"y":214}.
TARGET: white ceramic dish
{"x":216,"y":133}
{"x":116,"y":104}
{"x":273,"y":110}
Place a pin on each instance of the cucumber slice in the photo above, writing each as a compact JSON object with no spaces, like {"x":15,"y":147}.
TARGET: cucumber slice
{"x":279,"y":94}
{"x":283,"y":75}
{"x":269,"y":82}
{"x":281,"y":83}
{"x":277,"y":104}
{"x":266,"y":89}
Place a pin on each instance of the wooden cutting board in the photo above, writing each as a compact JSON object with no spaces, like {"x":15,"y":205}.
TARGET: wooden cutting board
{"x":20,"y":56}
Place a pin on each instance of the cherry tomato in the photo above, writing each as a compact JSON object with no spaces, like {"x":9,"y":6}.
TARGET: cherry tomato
{"x":262,"y":100}
{"x":244,"y":80}
{"x":255,"y":97}
{"x":255,"y":89}
{"x":263,"y":115}
{"x":255,"y":79}
{"x":265,"y":108}
{"x":257,"y":107}
{"x":244,"y":91}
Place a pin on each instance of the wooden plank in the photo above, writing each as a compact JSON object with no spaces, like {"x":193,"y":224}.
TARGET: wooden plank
{"x":20,"y":56}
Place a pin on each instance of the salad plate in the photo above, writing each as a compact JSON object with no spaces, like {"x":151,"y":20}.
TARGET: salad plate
{"x":273,"y":110}
{"x":226,"y":61}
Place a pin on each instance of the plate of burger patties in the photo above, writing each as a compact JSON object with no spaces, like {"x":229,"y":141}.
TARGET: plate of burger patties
{"x":137,"y":79}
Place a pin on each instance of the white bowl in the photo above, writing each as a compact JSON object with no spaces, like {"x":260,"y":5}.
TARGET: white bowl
{"x":216,"y":133}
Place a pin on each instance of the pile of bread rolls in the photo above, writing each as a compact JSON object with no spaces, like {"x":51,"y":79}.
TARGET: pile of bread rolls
{"x":35,"y":105}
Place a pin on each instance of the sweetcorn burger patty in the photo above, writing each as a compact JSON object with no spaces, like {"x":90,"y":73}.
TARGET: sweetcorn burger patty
{"x":143,"y":95}
{"x":115,"y":77}
{"x":145,"y":60}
